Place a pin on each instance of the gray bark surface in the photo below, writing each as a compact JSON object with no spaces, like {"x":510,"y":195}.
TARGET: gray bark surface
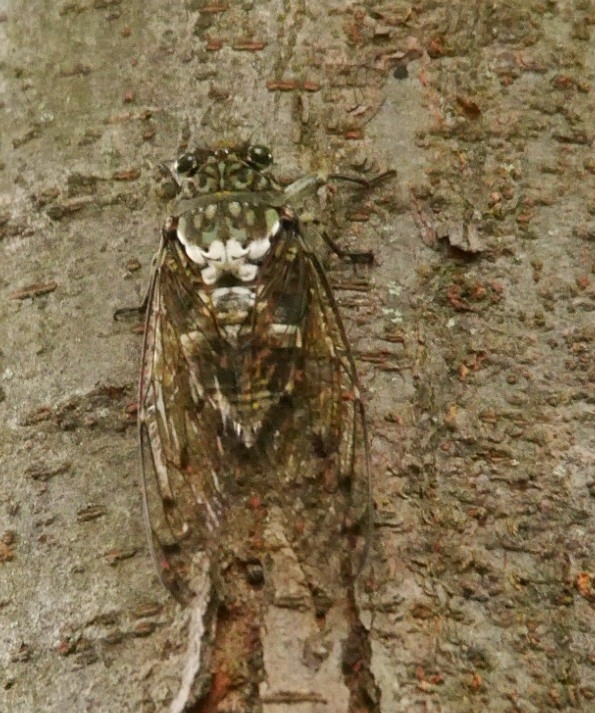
{"x":473,"y":333}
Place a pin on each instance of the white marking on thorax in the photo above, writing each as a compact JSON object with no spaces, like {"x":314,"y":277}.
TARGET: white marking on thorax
{"x":229,"y":257}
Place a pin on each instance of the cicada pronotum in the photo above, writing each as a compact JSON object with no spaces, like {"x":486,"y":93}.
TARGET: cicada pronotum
{"x":249,"y":400}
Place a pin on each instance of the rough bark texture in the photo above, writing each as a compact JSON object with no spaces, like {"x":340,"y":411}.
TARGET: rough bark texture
{"x":474,"y":333}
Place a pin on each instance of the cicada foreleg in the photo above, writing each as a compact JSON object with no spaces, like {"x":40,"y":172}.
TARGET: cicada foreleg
{"x":312,"y":183}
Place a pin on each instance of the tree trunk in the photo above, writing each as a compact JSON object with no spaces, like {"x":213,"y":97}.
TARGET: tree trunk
{"x":473,"y":335}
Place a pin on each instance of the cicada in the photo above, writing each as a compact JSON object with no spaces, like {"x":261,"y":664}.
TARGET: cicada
{"x":249,"y":399}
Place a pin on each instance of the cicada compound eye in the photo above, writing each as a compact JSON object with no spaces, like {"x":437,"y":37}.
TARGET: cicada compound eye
{"x":259,"y":156}
{"x":186,"y":164}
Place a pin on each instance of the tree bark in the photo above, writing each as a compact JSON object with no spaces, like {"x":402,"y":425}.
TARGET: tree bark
{"x":473,"y":332}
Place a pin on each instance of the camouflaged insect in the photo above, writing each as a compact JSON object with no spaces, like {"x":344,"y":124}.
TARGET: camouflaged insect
{"x":248,"y":393}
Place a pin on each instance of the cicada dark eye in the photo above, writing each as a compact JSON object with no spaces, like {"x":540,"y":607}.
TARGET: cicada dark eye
{"x":259,"y":156}
{"x":186,"y":163}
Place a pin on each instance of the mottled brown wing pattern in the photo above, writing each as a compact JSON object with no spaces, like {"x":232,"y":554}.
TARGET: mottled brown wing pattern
{"x":178,"y":482}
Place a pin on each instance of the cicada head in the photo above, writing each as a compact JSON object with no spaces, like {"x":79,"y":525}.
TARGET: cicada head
{"x":242,"y":168}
